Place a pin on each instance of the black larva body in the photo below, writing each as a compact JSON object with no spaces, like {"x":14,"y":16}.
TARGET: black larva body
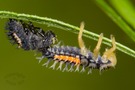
{"x":86,"y":61}
{"x":31,"y":38}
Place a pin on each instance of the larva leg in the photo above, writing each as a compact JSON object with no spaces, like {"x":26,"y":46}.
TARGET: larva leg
{"x":40,"y":59}
{"x":80,"y":40}
{"x":97,"y":48}
{"x":90,"y":71}
{"x":66,"y":67}
{"x":110,"y":53}
{"x":77,"y":68}
{"x":60,"y":65}
{"x":83,"y":69}
{"x":47,"y":63}
{"x":54,"y":64}
{"x":71,"y":68}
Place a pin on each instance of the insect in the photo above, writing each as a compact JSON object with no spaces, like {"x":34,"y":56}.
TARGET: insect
{"x":29,"y":37}
{"x":76,"y":57}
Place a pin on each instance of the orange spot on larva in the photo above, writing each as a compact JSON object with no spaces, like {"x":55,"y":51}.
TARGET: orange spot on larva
{"x":68,"y":58}
{"x":56,"y":57}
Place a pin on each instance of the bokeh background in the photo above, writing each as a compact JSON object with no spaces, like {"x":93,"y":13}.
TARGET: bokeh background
{"x":19,"y":70}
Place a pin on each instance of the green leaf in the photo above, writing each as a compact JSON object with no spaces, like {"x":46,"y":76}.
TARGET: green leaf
{"x":126,"y":10}
{"x":116,"y":18}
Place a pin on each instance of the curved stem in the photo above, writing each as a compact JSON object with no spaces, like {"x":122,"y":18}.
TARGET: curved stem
{"x":64,"y":26}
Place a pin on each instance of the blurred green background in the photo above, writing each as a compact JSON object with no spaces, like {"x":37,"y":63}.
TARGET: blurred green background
{"x":19,"y":70}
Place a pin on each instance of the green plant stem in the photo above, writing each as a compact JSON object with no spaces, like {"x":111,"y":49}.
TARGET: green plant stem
{"x":64,"y":26}
{"x":116,"y":18}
